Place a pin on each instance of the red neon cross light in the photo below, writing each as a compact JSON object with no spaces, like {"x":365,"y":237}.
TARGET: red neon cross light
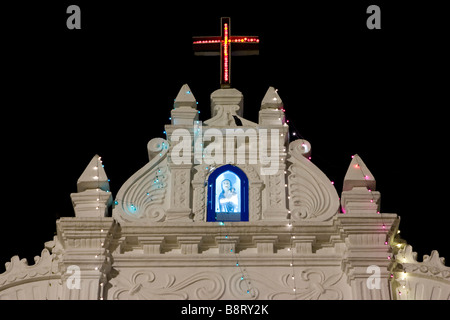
{"x":212,"y":46}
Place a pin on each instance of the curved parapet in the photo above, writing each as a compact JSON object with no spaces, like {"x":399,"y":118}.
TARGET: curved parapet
{"x":426,"y":280}
{"x":37,"y":282}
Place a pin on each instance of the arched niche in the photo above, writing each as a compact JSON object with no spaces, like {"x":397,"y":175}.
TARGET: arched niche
{"x":227,"y":194}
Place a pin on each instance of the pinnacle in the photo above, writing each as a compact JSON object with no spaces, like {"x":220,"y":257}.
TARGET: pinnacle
{"x":93,"y":177}
{"x":185,"y":98}
{"x":271,"y":100}
{"x":358,"y":175}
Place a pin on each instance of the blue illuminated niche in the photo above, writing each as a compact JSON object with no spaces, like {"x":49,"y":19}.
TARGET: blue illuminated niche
{"x":227,"y":195}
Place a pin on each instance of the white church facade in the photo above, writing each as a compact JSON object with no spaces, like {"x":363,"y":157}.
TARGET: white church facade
{"x":227,"y":209}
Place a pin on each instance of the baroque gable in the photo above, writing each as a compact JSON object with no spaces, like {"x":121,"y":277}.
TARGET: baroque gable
{"x":242,"y":214}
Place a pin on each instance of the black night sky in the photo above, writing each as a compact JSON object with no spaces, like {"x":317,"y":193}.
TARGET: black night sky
{"x":108,"y":89}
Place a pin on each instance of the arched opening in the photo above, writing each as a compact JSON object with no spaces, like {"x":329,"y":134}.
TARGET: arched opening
{"x":227,"y":195}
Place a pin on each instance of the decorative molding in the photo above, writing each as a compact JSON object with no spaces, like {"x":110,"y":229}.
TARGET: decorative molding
{"x":310,"y":284}
{"x":145,"y":284}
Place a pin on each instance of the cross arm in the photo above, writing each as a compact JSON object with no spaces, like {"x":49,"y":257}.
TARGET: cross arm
{"x":206,"y":46}
{"x":244,"y":45}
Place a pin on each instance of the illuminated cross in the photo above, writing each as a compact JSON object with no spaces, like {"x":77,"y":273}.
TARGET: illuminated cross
{"x":222,"y":45}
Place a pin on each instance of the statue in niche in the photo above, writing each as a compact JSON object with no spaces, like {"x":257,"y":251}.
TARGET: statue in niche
{"x":228,"y":198}
{"x":227,"y":195}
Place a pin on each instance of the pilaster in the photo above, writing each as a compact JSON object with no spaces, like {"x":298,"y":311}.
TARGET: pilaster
{"x":86,"y":261}
{"x":274,"y":195}
{"x":180,"y":184}
{"x":368,"y":257}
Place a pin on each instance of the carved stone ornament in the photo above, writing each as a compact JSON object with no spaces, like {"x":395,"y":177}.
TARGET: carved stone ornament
{"x":36,"y":282}
{"x":142,"y":197}
{"x":145,"y":285}
{"x":311,"y":194}
{"x":309,"y":284}
{"x":432,"y":265}
{"x":18,"y":270}
{"x":426,"y":280}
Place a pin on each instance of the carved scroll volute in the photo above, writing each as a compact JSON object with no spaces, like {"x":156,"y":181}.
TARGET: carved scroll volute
{"x":311,"y":194}
{"x":143,"y":196}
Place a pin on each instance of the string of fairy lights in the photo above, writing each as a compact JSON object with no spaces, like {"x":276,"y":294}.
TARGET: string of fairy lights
{"x":291,"y":250}
{"x":403,"y":282}
{"x":244,"y":276}
{"x":403,"y":287}
{"x":102,"y":249}
{"x":101,"y":255}
{"x":366,"y":176}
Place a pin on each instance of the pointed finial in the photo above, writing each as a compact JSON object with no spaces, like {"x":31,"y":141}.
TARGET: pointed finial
{"x":271,"y":100}
{"x":185,"y":98}
{"x":358,"y":175}
{"x":94,"y":176}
